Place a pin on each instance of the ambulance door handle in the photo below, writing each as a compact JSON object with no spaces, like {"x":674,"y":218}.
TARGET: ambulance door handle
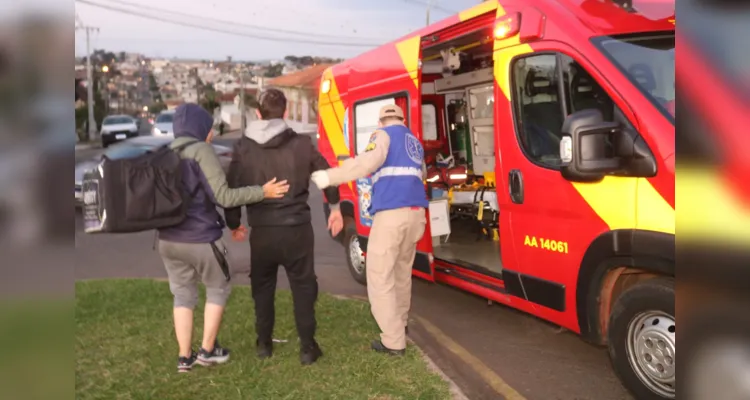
{"x":515,"y":183}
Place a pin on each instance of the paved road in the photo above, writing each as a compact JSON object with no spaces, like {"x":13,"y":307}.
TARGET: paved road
{"x":482,"y":348}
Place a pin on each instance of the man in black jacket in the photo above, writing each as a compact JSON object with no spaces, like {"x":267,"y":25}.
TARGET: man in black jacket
{"x":282,"y":233}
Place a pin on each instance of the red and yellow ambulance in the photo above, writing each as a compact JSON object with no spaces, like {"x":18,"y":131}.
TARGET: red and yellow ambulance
{"x":548,"y":128}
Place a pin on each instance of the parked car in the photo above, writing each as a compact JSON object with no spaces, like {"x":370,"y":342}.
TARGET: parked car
{"x":133,"y":148}
{"x":118,"y":127}
{"x":163,"y":124}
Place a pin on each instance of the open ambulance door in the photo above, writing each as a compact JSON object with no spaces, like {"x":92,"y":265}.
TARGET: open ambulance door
{"x":410,"y":51}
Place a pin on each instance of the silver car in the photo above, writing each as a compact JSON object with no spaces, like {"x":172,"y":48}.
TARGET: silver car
{"x":134,"y":148}
{"x":118,"y":127}
{"x":163,"y":124}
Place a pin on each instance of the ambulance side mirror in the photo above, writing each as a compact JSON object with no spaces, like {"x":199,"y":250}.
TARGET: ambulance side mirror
{"x":588,"y":146}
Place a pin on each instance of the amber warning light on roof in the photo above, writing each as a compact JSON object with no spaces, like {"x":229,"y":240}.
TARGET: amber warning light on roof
{"x":508,"y":26}
{"x":325,"y":86}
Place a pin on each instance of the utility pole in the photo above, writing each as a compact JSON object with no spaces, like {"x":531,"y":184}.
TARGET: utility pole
{"x":197,"y":85}
{"x":242,"y":101}
{"x":429,"y":5}
{"x":89,"y":79}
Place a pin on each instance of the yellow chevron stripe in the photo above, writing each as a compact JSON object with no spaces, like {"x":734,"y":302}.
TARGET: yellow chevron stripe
{"x":331,"y":114}
{"x":408,"y":50}
{"x":712,"y":213}
{"x":628,"y":203}
{"x":502,"y":63}
{"x":478,"y":10}
{"x":504,"y":51}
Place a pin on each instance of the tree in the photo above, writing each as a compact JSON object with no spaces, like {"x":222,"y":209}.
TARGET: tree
{"x":157,"y":107}
{"x":209,"y":103}
{"x":274,"y":71}
{"x":251,"y":101}
{"x":153,"y":86}
{"x":122,"y":56}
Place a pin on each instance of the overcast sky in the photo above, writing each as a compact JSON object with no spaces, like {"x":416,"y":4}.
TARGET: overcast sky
{"x":367,"y":22}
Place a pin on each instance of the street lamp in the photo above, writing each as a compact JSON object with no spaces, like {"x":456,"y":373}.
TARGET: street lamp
{"x":105,"y":69}
{"x":145,"y":108}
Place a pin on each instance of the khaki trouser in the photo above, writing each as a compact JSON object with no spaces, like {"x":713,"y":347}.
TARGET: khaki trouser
{"x":390,"y":255}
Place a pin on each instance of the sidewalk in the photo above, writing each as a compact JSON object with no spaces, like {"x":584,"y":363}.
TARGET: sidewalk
{"x":87,"y":145}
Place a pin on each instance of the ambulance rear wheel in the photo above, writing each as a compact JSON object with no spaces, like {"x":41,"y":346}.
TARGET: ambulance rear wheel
{"x":641,"y":339}
{"x":355,"y":257}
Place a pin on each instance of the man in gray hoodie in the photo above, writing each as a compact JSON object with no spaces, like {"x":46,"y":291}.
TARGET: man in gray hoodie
{"x":189,"y":249}
{"x":282,"y":232}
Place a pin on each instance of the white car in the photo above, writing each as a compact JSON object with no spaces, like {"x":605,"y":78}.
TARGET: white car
{"x":163,"y":124}
{"x":116,"y":128}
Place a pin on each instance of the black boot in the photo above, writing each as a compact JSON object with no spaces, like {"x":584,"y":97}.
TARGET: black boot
{"x":264,"y":349}
{"x":310,"y":353}
{"x":378,"y":346}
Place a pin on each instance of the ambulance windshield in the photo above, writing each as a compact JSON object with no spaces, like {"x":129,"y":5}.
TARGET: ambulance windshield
{"x":648,"y":61}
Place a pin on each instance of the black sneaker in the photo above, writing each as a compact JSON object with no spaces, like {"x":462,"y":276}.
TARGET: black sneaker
{"x":185,"y":364}
{"x":264,"y":349}
{"x":378,"y":346}
{"x":310,"y":354}
{"x":219,"y":355}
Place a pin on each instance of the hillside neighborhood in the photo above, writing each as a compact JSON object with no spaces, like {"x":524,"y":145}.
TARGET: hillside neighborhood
{"x":133,"y":84}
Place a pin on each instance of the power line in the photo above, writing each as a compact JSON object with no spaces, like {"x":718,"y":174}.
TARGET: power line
{"x":433,"y":6}
{"x":249,"y":26}
{"x":226,"y":31}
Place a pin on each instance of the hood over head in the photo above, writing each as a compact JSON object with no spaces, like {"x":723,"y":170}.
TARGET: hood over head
{"x":191,"y":120}
{"x":269,"y":133}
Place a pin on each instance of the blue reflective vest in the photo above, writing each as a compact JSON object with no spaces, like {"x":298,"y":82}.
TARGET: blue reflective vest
{"x":398,"y":182}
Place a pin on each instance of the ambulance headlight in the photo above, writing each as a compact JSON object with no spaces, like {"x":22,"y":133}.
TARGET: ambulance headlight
{"x":566,"y":149}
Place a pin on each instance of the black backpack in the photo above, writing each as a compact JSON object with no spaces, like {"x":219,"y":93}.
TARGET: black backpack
{"x":135,"y":194}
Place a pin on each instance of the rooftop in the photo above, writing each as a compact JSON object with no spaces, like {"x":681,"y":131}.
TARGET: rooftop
{"x":307,"y":78}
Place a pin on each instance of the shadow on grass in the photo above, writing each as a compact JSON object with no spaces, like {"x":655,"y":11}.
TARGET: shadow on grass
{"x":125,"y":349}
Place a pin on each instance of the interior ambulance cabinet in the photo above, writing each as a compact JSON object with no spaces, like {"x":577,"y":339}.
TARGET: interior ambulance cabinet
{"x":481,"y":106}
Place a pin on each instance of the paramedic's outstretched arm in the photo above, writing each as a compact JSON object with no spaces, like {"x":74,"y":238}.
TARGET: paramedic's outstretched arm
{"x":318,"y":162}
{"x":365,"y":163}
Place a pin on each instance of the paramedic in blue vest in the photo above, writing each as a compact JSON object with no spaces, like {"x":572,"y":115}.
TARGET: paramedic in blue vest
{"x":395,"y":158}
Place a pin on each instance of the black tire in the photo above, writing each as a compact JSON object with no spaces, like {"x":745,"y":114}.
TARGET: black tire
{"x":350,"y":235}
{"x":654,"y":295}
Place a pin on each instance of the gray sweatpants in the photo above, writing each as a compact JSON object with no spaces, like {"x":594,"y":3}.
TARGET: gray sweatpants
{"x":187,"y":264}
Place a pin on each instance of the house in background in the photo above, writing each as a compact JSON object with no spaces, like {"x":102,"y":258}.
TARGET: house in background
{"x":173,"y":104}
{"x":301,"y":91}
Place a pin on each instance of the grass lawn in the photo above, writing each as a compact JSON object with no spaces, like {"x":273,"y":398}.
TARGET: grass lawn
{"x":125,"y":349}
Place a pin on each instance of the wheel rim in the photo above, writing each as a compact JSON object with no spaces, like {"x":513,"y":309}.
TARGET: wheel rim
{"x":651,"y":351}
{"x":356,"y":255}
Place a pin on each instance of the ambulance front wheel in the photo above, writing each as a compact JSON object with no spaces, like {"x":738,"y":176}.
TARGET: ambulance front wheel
{"x":641,"y":339}
{"x":355,"y":257}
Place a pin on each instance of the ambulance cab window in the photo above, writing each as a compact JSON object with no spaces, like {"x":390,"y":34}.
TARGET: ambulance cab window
{"x":538,"y":109}
{"x":540,"y":112}
{"x":583,"y":92}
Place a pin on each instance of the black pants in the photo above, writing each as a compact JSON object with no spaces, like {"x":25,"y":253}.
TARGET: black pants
{"x":293,"y":248}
